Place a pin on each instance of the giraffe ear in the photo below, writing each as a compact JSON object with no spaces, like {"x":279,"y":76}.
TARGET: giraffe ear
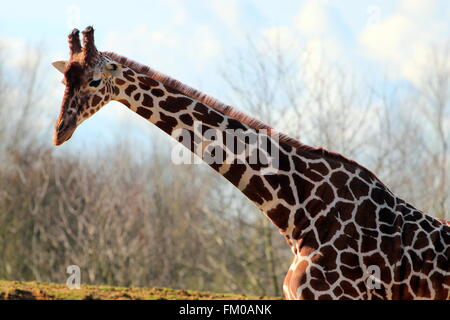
{"x":60,"y":65}
{"x":113,"y":69}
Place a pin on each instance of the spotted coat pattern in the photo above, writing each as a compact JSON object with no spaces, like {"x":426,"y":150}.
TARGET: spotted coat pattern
{"x":351,"y":237}
{"x":338,"y":218}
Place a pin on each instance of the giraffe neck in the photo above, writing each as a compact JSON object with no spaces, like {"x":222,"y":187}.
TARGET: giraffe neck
{"x":339,"y":219}
{"x":293,"y":187}
{"x":268,"y":183}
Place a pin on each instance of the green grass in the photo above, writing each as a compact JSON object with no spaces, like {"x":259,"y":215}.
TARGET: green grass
{"x":17,"y":290}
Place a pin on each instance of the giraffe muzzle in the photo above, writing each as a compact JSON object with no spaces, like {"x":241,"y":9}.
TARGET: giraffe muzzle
{"x":63,"y":132}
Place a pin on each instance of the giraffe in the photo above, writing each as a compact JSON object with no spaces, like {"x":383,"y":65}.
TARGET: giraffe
{"x":350,"y":236}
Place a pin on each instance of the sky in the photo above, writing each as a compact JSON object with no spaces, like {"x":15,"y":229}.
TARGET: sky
{"x":189,"y":39}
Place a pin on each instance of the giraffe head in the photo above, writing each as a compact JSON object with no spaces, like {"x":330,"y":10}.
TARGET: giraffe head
{"x":88,"y":77}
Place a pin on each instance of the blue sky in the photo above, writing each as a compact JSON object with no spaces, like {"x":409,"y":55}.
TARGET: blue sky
{"x":189,"y":39}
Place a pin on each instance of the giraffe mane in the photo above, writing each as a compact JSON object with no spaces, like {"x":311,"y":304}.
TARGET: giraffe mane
{"x":230,"y":111}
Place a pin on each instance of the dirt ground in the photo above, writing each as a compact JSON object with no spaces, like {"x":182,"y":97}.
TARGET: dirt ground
{"x":16,"y":290}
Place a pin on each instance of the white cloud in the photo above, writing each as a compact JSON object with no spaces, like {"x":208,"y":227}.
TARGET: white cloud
{"x":419,"y":8}
{"x":284,"y":36}
{"x":209,"y":45}
{"x":141,"y":40}
{"x":227,"y":11}
{"x":398,"y":40}
{"x":402,"y":40}
{"x":313,"y":33}
{"x":179,"y":11}
{"x":320,"y":55}
{"x":312,"y":18}
{"x":194,"y":45}
{"x":11,"y":43}
{"x":18,"y":52}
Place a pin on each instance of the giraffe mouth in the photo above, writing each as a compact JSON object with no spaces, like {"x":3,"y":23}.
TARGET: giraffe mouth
{"x":62,"y":134}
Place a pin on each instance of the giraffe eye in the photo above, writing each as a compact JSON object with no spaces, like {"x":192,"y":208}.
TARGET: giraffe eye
{"x":95,"y":83}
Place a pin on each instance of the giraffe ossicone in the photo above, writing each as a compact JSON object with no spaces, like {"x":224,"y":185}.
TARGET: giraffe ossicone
{"x":351,"y":237}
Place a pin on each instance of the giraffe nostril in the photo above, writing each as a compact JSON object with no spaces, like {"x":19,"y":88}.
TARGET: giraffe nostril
{"x":61,"y":126}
